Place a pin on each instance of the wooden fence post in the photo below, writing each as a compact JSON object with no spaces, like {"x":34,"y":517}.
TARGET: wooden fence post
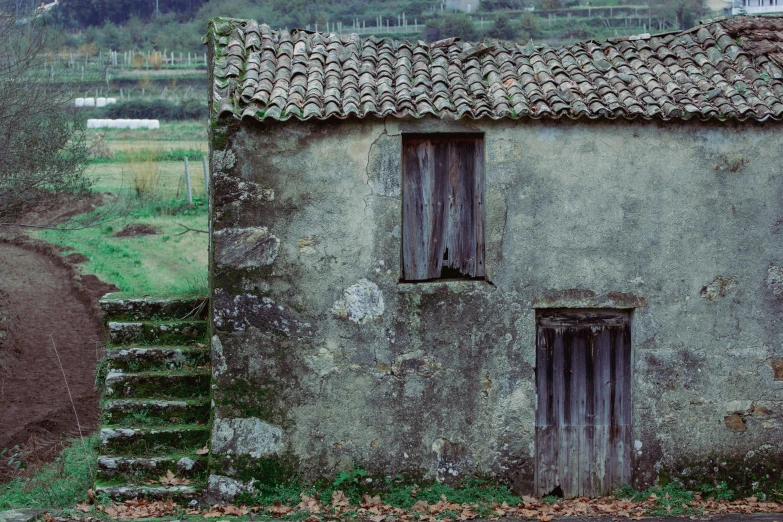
{"x":206,"y":174}
{"x":187,"y":182}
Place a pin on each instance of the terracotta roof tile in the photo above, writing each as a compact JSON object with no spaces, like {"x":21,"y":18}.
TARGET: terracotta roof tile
{"x":726,"y":69}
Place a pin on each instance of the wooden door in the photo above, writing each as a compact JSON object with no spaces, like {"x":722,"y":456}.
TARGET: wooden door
{"x":583,"y":415}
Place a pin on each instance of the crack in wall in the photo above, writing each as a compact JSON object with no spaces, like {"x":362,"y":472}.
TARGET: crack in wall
{"x":374,"y":145}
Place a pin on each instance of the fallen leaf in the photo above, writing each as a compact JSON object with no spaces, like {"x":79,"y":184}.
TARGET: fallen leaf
{"x":311,"y":504}
{"x":279,"y":509}
{"x":237,"y":511}
{"x":140,"y":509}
{"x":172,"y":480}
{"x":420,"y":506}
{"x":340,"y":502}
{"x":203,"y":451}
{"x":84,"y":508}
{"x":368,"y":501}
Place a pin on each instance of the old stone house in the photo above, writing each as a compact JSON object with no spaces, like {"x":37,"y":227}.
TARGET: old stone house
{"x":561,"y":268}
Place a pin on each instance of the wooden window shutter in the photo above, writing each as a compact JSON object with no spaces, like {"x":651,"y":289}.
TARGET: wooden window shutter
{"x":443,"y":207}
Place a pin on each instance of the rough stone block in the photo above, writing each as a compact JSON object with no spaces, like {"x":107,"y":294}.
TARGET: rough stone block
{"x":20,"y":515}
{"x":777,"y":369}
{"x":735,"y":423}
{"x":248,"y":436}
{"x":245,"y":247}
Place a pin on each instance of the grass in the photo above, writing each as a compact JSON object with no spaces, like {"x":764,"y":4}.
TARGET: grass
{"x":130,"y":155}
{"x":118,"y":178}
{"x":674,"y":500}
{"x":192,"y":132}
{"x":59,"y":484}
{"x":395,"y":492}
{"x":163,"y":263}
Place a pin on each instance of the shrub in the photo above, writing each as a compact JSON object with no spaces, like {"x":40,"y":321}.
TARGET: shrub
{"x":146,"y":178}
{"x":156,"y":60}
{"x":450,"y":25}
{"x":192,"y":109}
{"x":577,"y":32}
{"x":503,"y":29}
{"x":528,"y":26}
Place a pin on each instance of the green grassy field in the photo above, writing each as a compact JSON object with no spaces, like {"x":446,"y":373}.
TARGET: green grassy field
{"x":167,"y":178}
{"x":175,"y":133}
{"x":148,"y":192}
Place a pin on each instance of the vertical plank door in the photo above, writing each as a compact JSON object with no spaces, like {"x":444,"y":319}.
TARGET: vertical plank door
{"x":583,"y":415}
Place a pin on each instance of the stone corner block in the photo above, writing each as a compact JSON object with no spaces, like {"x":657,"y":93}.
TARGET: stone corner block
{"x":246,"y":436}
{"x":244,"y":248}
{"x":220,"y":488}
{"x":20,"y":515}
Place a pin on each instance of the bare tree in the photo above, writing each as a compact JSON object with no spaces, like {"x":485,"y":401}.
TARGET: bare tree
{"x":42,"y":145}
{"x":683,"y":13}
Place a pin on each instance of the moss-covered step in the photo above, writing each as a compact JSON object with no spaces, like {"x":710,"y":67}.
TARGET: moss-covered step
{"x":125,"y":307}
{"x":140,"y":470}
{"x":128,"y":492}
{"x":143,"y":358}
{"x":182,"y":333}
{"x":151,"y":442}
{"x":154,"y":412}
{"x":182,"y":384}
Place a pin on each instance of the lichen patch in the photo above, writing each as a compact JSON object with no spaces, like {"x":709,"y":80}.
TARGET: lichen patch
{"x":775,"y":280}
{"x":361,"y":303}
{"x":720,"y":287}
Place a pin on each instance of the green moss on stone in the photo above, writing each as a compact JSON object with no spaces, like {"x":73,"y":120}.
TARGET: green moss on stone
{"x":266,"y":471}
{"x":149,"y":413}
{"x":164,"y":359}
{"x":158,"y":442}
{"x":143,"y":475}
{"x":168,"y":333}
{"x":163,"y":385}
{"x":219,"y":140}
{"x":219,"y":132}
{"x":243,"y":399}
{"x":233,"y":281}
{"x":746,"y":474}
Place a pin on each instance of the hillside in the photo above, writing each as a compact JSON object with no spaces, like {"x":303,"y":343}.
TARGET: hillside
{"x":178,"y":25}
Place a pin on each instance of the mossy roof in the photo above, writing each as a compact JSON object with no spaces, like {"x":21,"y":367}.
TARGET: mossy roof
{"x":728,"y":69}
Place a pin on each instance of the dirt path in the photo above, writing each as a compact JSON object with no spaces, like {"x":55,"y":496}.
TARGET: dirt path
{"x":46,"y":303}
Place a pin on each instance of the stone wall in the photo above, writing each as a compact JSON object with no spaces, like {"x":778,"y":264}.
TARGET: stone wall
{"x":323,"y":360}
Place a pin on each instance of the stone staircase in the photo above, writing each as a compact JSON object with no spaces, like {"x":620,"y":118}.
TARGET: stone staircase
{"x":155,"y":406}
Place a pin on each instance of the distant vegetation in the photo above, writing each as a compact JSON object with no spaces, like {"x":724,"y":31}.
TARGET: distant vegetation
{"x":179,"y":25}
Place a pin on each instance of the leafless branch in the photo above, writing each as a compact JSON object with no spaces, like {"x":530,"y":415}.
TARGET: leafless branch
{"x":188,"y":229}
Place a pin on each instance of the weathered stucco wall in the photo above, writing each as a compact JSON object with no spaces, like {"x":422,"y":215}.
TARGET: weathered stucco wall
{"x":323,"y":360}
